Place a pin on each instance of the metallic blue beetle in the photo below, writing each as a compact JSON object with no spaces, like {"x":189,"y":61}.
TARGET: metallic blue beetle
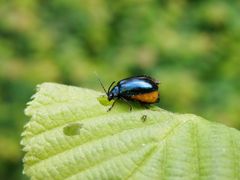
{"x":143,"y":89}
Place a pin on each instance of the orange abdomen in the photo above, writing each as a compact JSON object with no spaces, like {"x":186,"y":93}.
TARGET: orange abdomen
{"x":149,"y":98}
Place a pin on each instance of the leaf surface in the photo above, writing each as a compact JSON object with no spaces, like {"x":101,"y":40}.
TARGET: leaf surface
{"x":71,"y":136}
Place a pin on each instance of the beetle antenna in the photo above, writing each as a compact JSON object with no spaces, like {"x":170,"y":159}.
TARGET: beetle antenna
{"x":101,"y":83}
{"x":110,"y":86}
{"x":102,"y":86}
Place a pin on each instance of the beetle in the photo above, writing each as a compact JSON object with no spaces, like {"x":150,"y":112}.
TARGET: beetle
{"x":142,"y":89}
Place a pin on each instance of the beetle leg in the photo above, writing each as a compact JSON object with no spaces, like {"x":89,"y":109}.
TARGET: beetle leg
{"x":112,"y":105}
{"x":130,"y":106}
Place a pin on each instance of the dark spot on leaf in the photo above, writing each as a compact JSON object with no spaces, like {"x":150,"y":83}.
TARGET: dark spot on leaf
{"x":72,"y":129}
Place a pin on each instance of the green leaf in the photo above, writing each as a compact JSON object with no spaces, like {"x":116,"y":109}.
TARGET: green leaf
{"x":141,"y":144}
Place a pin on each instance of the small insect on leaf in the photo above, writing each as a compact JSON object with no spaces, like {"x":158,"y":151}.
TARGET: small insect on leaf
{"x":72,"y":129}
{"x":144,"y":117}
{"x":104,"y":101}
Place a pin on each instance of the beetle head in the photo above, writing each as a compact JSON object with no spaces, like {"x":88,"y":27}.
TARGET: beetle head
{"x":110,"y":93}
{"x":110,"y":96}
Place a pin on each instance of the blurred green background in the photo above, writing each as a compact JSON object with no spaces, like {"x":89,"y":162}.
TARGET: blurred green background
{"x":191,"y":46}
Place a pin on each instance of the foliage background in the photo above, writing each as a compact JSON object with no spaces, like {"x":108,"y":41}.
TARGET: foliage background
{"x":192,"y":47}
